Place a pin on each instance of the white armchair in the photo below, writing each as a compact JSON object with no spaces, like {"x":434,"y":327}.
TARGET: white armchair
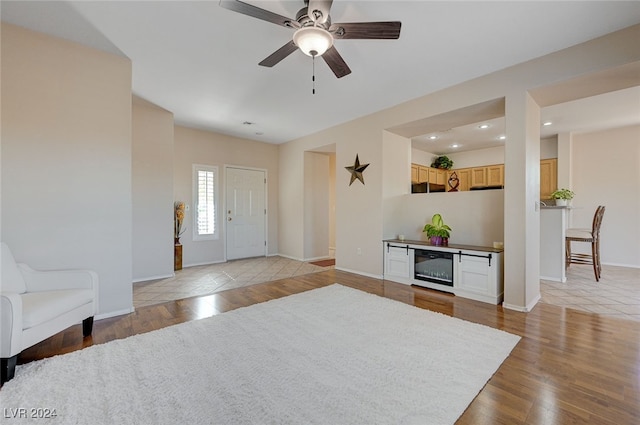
{"x":35,"y":305}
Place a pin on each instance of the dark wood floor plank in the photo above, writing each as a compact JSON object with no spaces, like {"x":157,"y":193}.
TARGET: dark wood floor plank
{"x":570,"y":366}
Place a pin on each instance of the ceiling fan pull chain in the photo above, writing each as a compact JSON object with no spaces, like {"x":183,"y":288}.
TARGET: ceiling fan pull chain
{"x":313,"y":76}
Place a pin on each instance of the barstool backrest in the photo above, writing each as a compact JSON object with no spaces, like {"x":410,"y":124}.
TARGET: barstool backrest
{"x":597,"y":221}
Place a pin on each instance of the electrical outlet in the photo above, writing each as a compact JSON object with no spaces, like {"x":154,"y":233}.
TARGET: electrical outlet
{"x":359,"y":251}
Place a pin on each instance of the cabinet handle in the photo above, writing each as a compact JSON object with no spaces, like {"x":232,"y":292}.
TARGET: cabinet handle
{"x":396,"y":246}
{"x":460,"y":254}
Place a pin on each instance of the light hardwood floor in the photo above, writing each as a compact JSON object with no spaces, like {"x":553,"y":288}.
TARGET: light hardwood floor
{"x":571,"y":367}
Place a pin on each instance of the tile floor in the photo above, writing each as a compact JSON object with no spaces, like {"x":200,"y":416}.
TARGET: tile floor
{"x":205,"y":280}
{"x":617,"y":294}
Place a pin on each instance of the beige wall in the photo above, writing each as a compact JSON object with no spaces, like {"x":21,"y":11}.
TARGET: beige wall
{"x":316,"y":206}
{"x":66,"y":159}
{"x":332,"y":203}
{"x":152,"y":191}
{"x":606,"y":171}
{"x":193,"y":146}
{"x":359,"y":217}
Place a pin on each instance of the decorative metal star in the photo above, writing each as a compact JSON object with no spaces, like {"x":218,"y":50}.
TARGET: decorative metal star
{"x":356,"y":171}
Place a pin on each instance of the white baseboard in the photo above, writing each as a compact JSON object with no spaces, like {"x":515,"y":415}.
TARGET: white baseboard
{"x":525,"y":309}
{"x":290,"y":257}
{"x":373,"y":276}
{"x":553,"y":279}
{"x":631,"y":266}
{"x":146,"y":279}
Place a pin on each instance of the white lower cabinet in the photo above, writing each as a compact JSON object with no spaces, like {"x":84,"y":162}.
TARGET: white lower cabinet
{"x":398,"y":262}
{"x":477,"y":273}
{"x":479,"y":276}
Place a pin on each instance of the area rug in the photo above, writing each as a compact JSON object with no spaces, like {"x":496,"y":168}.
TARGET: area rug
{"x":333,"y":355}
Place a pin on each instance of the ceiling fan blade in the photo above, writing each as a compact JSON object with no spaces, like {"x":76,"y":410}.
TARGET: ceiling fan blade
{"x":318,"y":10}
{"x":256,"y":12}
{"x":366,"y":30}
{"x":279,"y":54}
{"x":336,"y":63}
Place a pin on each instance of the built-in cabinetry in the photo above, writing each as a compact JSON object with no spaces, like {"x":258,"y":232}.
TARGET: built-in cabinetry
{"x":478,"y":176}
{"x":489,"y":176}
{"x":548,"y":177}
{"x":477,"y":271}
{"x":423,"y":174}
{"x":495,"y":175}
{"x":464,"y":178}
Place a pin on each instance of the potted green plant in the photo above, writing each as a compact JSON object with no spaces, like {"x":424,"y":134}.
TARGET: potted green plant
{"x":442,"y":162}
{"x":562,"y":196}
{"x":437,"y":232}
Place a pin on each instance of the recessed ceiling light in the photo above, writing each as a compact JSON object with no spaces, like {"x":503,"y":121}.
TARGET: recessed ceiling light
{"x":502,"y":137}
{"x":484,"y":126}
{"x":547,"y":123}
{"x":455,"y":145}
{"x":433,"y":137}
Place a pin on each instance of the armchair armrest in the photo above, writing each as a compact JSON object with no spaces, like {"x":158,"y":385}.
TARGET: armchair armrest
{"x":10,"y":324}
{"x":51,"y":280}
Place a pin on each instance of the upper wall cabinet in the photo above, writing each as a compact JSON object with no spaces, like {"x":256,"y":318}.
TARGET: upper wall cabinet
{"x":423,"y":174}
{"x":464,"y":178}
{"x":548,"y":177}
{"x":490,"y":176}
{"x":479,"y":176}
{"x":495,"y":175}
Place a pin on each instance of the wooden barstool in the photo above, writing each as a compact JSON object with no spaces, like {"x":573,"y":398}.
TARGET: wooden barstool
{"x":591,"y":236}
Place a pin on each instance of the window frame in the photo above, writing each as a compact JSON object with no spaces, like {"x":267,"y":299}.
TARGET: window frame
{"x":196,"y":168}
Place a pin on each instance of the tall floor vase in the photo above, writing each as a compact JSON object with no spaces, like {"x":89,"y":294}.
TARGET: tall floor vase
{"x":177,"y":255}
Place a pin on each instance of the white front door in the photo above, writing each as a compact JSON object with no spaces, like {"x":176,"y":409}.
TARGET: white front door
{"x":246,"y":213}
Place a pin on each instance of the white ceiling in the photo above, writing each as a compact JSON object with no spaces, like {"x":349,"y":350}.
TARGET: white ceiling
{"x":200,"y":61}
{"x":610,"y":110}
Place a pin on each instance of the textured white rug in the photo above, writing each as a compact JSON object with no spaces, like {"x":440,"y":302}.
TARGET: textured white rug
{"x":333,"y":355}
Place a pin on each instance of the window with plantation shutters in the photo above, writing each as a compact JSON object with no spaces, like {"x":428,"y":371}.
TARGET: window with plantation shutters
{"x":205,"y":180}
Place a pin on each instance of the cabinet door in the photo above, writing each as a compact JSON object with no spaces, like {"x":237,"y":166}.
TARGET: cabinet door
{"x":398,"y":262}
{"x":478,"y":176}
{"x":464,"y":178}
{"x":474,"y":275}
{"x":548,"y":177}
{"x":495,"y":175}
{"x":423,"y":174}
{"x":414,"y":174}
{"x":441,"y":176}
{"x":433,"y":175}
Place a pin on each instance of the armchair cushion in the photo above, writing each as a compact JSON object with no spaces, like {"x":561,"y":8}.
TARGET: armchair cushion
{"x":40,"y":307}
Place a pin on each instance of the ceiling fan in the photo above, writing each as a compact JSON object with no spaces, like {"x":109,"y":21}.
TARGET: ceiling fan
{"x":315,"y":33}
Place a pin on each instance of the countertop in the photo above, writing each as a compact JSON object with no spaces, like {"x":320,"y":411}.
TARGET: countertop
{"x":451,"y":246}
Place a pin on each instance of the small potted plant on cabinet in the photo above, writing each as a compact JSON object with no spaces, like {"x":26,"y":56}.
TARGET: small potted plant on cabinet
{"x":562,"y":197}
{"x":437,"y":232}
{"x":442,"y":162}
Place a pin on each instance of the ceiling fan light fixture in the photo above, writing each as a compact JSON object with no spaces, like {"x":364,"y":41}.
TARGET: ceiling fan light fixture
{"x":313,"y":41}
